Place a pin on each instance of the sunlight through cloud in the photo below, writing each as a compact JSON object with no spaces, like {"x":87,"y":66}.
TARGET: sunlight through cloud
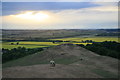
{"x":40,"y":16}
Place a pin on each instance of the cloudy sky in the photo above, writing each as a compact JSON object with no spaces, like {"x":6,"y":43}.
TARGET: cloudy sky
{"x":59,"y":15}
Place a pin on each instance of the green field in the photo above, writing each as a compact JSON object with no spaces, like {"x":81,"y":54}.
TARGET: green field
{"x":7,"y":45}
{"x":96,"y":39}
{"x":27,"y":44}
{"x":33,"y":44}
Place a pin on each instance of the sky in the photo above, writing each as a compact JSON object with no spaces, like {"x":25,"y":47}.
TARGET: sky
{"x":59,"y":15}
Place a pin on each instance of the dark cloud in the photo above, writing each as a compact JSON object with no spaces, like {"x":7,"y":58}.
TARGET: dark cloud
{"x":15,"y":7}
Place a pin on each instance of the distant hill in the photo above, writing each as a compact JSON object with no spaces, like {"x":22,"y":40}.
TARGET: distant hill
{"x":111,"y":30}
{"x":46,"y":34}
{"x":72,"y":61}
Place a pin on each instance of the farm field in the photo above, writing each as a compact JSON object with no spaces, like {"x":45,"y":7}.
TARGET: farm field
{"x":7,"y":45}
{"x":96,"y":39}
{"x":34,"y":44}
{"x":27,"y":44}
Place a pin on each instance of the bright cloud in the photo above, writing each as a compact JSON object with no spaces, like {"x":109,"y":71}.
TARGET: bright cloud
{"x":104,"y":16}
{"x":32,"y":16}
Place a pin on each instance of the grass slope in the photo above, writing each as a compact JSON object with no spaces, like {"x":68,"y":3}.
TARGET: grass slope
{"x":68,"y":58}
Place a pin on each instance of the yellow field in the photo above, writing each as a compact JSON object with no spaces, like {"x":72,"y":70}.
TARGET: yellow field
{"x":82,"y":43}
{"x":96,"y":39}
{"x":33,"y":44}
{"x":7,"y":45}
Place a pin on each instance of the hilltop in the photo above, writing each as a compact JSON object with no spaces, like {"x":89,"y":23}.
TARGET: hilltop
{"x":71,"y":62}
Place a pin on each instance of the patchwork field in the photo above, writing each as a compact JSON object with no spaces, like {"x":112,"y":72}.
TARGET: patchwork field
{"x":96,"y":39}
{"x":28,"y":44}
{"x":7,"y":45}
{"x":34,"y":44}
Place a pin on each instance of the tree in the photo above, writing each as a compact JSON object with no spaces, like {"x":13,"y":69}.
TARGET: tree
{"x":17,"y":43}
{"x":53,"y":41}
{"x":12,"y":43}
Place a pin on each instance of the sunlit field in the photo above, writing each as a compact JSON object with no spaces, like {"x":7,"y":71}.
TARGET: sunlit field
{"x":33,"y":44}
{"x":96,"y":39}
{"x":7,"y":45}
{"x":82,"y":43}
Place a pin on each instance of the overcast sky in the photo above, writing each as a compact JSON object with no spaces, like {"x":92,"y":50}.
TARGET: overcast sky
{"x":59,"y":15}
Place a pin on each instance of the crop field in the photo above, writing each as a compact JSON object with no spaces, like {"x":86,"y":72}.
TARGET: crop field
{"x":8,"y":45}
{"x":96,"y":39}
{"x":82,"y":43}
{"x":27,"y":44}
{"x":33,"y":44}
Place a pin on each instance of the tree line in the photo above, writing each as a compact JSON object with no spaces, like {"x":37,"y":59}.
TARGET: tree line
{"x":15,"y":53}
{"x":106,"y":48}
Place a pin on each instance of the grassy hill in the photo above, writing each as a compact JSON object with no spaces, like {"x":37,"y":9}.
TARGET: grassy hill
{"x":72,"y":62}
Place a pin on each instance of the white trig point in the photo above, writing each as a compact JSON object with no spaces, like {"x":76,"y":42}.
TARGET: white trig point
{"x":52,"y":63}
